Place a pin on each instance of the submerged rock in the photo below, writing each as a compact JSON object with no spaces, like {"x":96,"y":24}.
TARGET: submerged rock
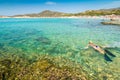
{"x":43,"y":40}
{"x":45,"y":69}
{"x":16,"y":67}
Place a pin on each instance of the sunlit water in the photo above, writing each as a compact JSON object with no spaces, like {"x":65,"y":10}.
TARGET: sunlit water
{"x":65,"y":37}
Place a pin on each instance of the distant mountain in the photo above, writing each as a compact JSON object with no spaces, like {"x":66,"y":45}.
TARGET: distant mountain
{"x":3,"y":16}
{"x":46,"y":13}
{"x":111,"y":11}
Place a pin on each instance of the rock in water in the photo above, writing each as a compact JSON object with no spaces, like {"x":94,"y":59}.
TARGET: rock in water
{"x":43,"y":40}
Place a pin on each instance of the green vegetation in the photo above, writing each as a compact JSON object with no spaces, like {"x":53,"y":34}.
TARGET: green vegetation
{"x":99,"y":12}
{"x":48,"y":13}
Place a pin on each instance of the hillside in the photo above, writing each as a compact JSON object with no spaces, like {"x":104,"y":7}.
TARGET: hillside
{"x":115,"y":11}
{"x":46,"y":13}
{"x":3,"y":16}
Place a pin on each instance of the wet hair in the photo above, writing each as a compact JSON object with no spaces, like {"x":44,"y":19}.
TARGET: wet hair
{"x":97,"y":46}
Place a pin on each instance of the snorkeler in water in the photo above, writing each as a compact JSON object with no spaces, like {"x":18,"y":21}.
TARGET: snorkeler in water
{"x":102,"y":51}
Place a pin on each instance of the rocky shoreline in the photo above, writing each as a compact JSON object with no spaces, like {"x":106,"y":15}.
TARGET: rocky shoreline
{"x":111,"y":22}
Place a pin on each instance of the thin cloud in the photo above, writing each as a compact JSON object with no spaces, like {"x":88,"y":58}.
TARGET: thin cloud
{"x":50,"y":3}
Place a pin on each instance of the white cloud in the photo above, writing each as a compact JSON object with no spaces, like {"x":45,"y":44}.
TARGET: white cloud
{"x":50,"y":3}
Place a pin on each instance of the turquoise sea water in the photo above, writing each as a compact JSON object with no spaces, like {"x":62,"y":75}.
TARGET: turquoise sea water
{"x":65,"y":38}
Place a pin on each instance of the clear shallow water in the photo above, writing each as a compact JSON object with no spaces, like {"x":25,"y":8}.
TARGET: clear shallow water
{"x":65,"y":38}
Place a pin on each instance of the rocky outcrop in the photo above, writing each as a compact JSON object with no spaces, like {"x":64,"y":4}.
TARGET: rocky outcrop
{"x":112,"y":22}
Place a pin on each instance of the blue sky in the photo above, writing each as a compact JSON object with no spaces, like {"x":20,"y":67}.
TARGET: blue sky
{"x":14,"y":7}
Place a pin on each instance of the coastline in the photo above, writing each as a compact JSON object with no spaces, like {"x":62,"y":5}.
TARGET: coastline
{"x":115,"y":22}
{"x":114,"y":17}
